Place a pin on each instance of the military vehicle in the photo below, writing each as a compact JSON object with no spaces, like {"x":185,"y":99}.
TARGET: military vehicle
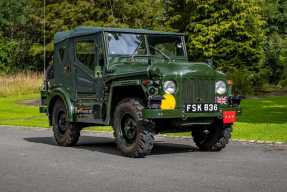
{"x":141,"y":83}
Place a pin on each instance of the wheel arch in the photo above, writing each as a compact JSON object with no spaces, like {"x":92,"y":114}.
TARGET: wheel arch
{"x":59,"y":94}
{"x":119,"y":92}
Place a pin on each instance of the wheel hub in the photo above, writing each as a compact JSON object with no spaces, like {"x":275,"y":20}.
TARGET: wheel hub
{"x":62,"y":122}
{"x":129,"y":129}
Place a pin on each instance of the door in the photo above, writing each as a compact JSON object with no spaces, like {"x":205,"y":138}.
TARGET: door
{"x":89,"y":82}
{"x":64,"y":76}
{"x":85,"y":63}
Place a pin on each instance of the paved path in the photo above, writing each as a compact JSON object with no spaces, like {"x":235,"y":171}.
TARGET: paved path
{"x":30,"y":161}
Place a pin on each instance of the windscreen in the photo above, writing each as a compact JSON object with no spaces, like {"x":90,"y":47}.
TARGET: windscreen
{"x":126,"y":44}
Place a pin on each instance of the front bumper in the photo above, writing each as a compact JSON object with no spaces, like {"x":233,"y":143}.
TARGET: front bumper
{"x":180,"y":114}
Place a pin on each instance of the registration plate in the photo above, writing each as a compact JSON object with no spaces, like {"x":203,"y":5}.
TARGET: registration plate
{"x":201,"y":107}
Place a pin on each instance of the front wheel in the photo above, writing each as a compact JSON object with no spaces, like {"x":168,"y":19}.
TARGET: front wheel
{"x":214,"y":138}
{"x":65,"y":133}
{"x":133,"y":134}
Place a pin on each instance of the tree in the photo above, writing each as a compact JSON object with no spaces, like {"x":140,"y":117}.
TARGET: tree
{"x":13,"y":37}
{"x":7,"y":49}
{"x":64,"y":15}
{"x":12,"y":18}
{"x":228,"y":32}
{"x":246,"y":37}
{"x":275,"y":12}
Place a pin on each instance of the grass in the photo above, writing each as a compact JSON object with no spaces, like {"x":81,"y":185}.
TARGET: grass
{"x":14,"y":88}
{"x":13,"y":113}
{"x":20,"y":84}
{"x":263,"y":119}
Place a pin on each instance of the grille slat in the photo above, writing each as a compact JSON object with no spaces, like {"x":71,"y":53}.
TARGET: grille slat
{"x":198,"y":91}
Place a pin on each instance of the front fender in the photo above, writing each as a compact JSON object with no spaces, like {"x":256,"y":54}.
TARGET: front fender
{"x":118,"y":84}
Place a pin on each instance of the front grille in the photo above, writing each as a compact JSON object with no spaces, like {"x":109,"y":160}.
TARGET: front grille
{"x":198,"y":91}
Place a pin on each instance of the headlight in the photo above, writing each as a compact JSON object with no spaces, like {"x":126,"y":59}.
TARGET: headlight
{"x":169,"y":87}
{"x":220,"y":87}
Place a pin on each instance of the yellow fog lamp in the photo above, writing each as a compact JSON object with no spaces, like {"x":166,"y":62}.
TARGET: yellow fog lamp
{"x":168,"y":102}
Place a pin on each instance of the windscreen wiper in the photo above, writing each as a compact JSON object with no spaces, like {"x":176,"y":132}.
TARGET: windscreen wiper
{"x":131,"y":57}
{"x":162,"y":53}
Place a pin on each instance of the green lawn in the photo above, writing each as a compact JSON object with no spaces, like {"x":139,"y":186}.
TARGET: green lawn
{"x":12,"y":113}
{"x":262,"y":118}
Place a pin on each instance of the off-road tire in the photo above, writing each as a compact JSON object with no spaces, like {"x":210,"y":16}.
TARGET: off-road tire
{"x":71,"y":133}
{"x":143,"y":143}
{"x":217,"y":138}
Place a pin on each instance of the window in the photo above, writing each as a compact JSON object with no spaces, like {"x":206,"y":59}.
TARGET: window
{"x":85,"y":52}
{"x":126,"y":44}
{"x":171,"y":46}
{"x":62,"y":49}
{"x":62,"y":52}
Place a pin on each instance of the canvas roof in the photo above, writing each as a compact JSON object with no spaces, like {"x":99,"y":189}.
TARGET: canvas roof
{"x":82,"y":31}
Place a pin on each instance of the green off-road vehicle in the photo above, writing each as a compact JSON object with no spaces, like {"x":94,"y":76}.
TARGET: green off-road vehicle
{"x":141,"y":83}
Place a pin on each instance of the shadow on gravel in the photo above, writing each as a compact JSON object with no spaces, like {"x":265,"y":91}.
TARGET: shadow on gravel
{"x":108,"y":145}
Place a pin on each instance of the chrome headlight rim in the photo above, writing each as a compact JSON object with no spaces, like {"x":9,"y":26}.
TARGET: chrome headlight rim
{"x":220,"y":87}
{"x":169,"y":87}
